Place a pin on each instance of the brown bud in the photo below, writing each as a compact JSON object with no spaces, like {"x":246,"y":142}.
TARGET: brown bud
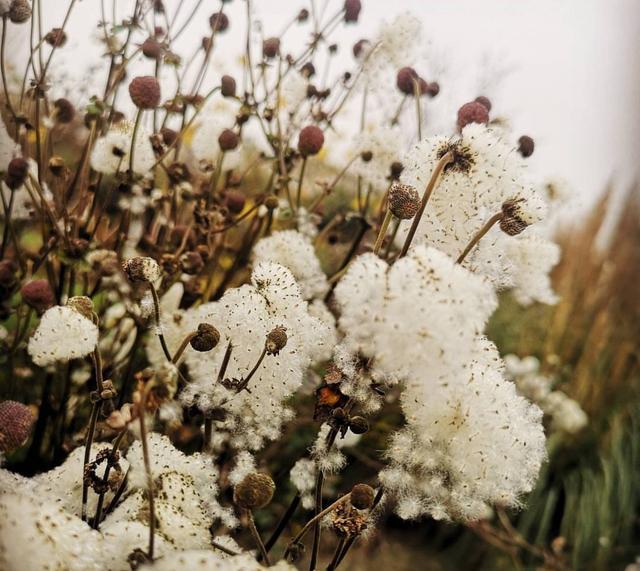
{"x":404,"y":201}
{"x":484,"y":101}
{"x":362,"y":496}
{"x":271,"y":202}
{"x":151,"y":48}
{"x":234,"y":201}
{"x":169,"y":136}
{"x":308,"y":70}
{"x":219,"y":22}
{"x":359,"y":47}
{"x":228,"y":140}
{"x":472,"y":112}
{"x":17,"y":171}
{"x":82,"y":304}
{"x":65,"y":111}
{"x":358,"y":425}
{"x":38,"y":295}
{"x":207,"y":338}
{"x":56,"y":37}
{"x":254,"y":492}
{"x":310,"y":141}
{"x":396,"y":169}
{"x":433,"y":89}
{"x":352,"y":10}
{"x":271,"y":47}
{"x":16,"y":421}
{"x":303,"y":15}
{"x":276,"y":340}
{"x":227,"y":86}
{"x":366,"y":156}
{"x":526,"y":146}
{"x":20,"y":11}
{"x":56,"y":165}
{"x":145,"y":92}
{"x":405,"y":79}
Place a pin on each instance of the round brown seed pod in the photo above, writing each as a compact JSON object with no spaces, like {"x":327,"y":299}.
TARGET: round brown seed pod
{"x":219,"y":22}
{"x":151,"y":48}
{"x":512,"y":221}
{"x":56,"y":37}
{"x":16,"y":421}
{"x":484,"y":101}
{"x":358,"y":424}
{"x":271,"y":202}
{"x":254,"y":492}
{"x":20,"y":11}
{"x":303,"y":15}
{"x":228,"y":140}
{"x":526,"y":146}
{"x":472,"y":112}
{"x":310,"y":141}
{"x":352,"y":10}
{"x":366,"y":156}
{"x":276,"y":340}
{"x":433,"y":89}
{"x":234,"y":200}
{"x":169,"y":136}
{"x":271,"y":47}
{"x":404,"y":201}
{"x":17,"y":171}
{"x":362,"y":496}
{"x":227,"y":86}
{"x":396,"y":170}
{"x":191,"y":263}
{"x":145,"y":92}
{"x":359,"y":47}
{"x":207,"y":338}
{"x":141,"y":269}
{"x":82,"y":304}
{"x":405,"y":79}
{"x":65,"y":111}
{"x":38,"y":295}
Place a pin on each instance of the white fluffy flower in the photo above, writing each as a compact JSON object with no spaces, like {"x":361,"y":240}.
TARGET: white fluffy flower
{"x":121,"y":539}
{"x":303,"y":477}
{"x":566,"y":414}
{"x":206,"y":560}
{"x":62,"y":334}
{"x":111,"y":152}
{"x":294,"y":251}
{"x":219,"y":114}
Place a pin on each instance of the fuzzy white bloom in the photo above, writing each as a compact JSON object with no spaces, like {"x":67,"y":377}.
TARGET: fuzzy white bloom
{"x":383,"y":143}
{"x":327,"y":459}
{"x":111,"y":152}
{"x":121,"y":539}
{"x":206,"y":560}
{"x":294,"y":251}
{"x":245,"y":464}
{"x":469,"y":443}
{"x":421,"y":314}
{"x":566,"y":414}
{"x":62,"y":334}
{"x":244,"y":316}
{"x":303,"y":477}
{"x":219,"y":114}
{"x":9,"y":149}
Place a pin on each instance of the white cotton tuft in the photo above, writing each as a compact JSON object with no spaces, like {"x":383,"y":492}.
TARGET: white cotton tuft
{"x":207,"y":560}
{"x":111,"y":153}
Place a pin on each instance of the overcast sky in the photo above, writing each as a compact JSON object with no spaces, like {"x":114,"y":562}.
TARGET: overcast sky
{"x":566,"y":72}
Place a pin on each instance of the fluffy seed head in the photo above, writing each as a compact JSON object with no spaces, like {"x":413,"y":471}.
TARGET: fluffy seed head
{"x":145,"y":92}
{"x":206,"y":339}
{"x":526,"y":146}
{"x":472,"y":112}
{"x":16,"y":421}
{"x":20,"y":11}
{"x":352,"y":10}
{"x":362,"y":496}
{"x":310,"y":141}
{"x":227,"y":86}
{"x":271,"y":47}
{"x":404,"y":201}
{"x":65,"y":111}
{"x":17,"y":171}
{"x":254,"y":492}
{"x":141,"y":269}
{"x":38,"y":295}
{"x":228,"y":140}
{"x":405,"y":79}
{"x":219,"y":22}
{"x":276,"y":340}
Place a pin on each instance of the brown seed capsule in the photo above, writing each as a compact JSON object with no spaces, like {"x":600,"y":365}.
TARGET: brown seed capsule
{"x":276,"y":340}
{"x":64,"y":110}
{"x":308,"y":70}
{"x":405,"y":80}
{"x":56,"y":165}
{"x":271,"y":47}
{"x":169,"y":136}
{"x":191,"y":263}
{"x":38,"y":295}
{"x":56,"y":37}
{"x":310,"y":141}
{"x":359,"y":47}
{"x":151,"y":48}
{"x":227,"y":86}
{"x":513,"y":218}
{"x":82,"y":304}
{"x":352,"y":10}
{"x":404,"y":201}
{"x":145,"y":92}
{"x":17,"y":171}
{"x":206,"y":339}
{"x":433,"y":89}
{"x":366,"y":156}
{"x":141,"y":269}
{"x":228,"y":140}
{"x":234,"y":200}
{"x":396,"y":170}
{"x":20,"y":11}
{"x":472,"y":112}
{"x":254,"y":492}
{"x":303,"y":15}
{"x":484,"y":101}
{"x":526,"y":146}
{"x":362,"y":496}
{"x":16,"y":421}
{"x":358,"y":425}
{"x":271,"y":202}
{"x":219,"y":22}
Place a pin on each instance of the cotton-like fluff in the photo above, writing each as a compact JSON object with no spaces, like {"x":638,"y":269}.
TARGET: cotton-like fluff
{"x":420,"y":315}
{"x":9,"y":149}
{"x":328,"y":460}
{"x":469,"y":444}
{"x":303,"y":477}
{"x":487,"y":171}
{"x":204,"y":560}
{"x":36,"y":534}
{"x":294,"y":251}
{"x":121,"y":539}
{"x":384,"y":143}
{"x":219,"y":114}
{"x":244,"y":316}
{"x":62,"y":334}
{"x":111,"y":152}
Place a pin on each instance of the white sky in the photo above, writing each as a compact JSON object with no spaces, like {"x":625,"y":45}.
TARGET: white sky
{"x":564,"y":71}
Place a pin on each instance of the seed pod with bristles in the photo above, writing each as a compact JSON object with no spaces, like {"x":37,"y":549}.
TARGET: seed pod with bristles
{"x":276,"y":340}
{"x":82,"y":304}
{"x":141,"y":269}
{"x":56,"y":37}
{"x":254,"y":492}
{"x":38,"y":295}
{"x":20,"y":11}
{"x":228,"y":140}
{"x":206,"y":338}
{"x":362,"y":496}
{"x":145,"y":92}
{"x":16,"y":421}
{"x":404,"y":201}
{"x":17,"y":172}
{"x":514,"y":219}
{"x":310,"y":140}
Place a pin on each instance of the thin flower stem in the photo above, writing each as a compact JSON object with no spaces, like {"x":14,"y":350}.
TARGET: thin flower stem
{"x":136,"y":126}
{"x":445,"y":160}
{"x":183,"y":346}
{"x":479,"y":235}
{"x":392,"y":239}
{"x":245,"y":382}
{"x":416,"y":96}
{"x":7,"y":95}
{"x":382,"y":233}
{"x":224,"y":549}
{"x":282,"y":524}
{"x":93,"y":419}
{"x":336,"y":554}
{"x":256,"y":537}
{"x":105,"y":479}
{"x":156,"y":309}
{"x":300,"y":181}
{"x":147,"y":469}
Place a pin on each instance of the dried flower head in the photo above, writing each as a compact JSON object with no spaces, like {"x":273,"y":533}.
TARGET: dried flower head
{"x":145,"y":92}
{"x":404,"y":201}
{"x":271,"y":47}
{"x":310,"y":141}
{"x":207,"y":337}
{"x":151,"y":48}
{"x":228,"y":140}
{"x":16,"y":421}
{"x":227,"y":86}
{"x":276,"y":340}
{"x":219,"y":22}
{"x":17,"y":171}
{"x":64,"y":110}
{"x":472,"y":112}
{"x":20,"y":11}
{"x":406,"y":79}
{"x":38,"y":295}
{"x":56,"y":37}
{"x":82,"y":304}
{"x":352,"y":10}
{"x":142,"y":269}
{"x":362,"y":496}
{"x":515,"y":218}
{"x":254,"y":492}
